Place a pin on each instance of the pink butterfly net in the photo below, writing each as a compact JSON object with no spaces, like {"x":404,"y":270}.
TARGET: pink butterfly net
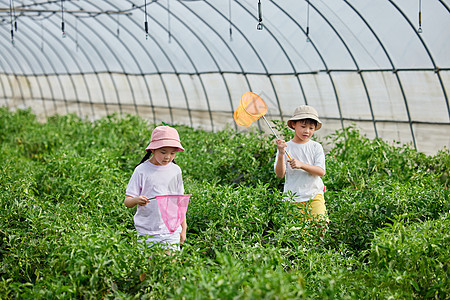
{"x":173,"y":209}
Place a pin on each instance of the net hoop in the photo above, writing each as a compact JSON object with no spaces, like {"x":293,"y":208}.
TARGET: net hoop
{"x":251,"y":108}
{"x":173,"y":210}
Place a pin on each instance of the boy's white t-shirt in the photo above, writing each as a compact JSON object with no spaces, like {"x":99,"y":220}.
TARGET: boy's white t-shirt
{"x":150,"y":180}
{"x":304,"y":185}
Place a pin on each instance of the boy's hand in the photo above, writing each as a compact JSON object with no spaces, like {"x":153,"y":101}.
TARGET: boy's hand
{"x":281,"y":145}
{"x":311,"y":169}
{"x":295,"y":164}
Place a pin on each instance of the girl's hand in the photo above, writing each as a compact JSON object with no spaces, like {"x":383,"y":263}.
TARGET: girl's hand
{"x":281,"y":145}
{"x":142,"y":200}
{"x":182,"y":237}
{"x":131,"y":202}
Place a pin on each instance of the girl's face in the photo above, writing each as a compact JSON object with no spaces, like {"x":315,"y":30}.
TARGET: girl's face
{"x":303,"y":131}
{"x":163,"y":156}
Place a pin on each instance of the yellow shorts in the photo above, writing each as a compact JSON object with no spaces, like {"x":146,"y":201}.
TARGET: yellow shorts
{"x":314,"y":209}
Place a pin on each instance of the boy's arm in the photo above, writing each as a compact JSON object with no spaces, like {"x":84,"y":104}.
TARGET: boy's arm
{"x":313,"y":170}
{"x":280,"y":167}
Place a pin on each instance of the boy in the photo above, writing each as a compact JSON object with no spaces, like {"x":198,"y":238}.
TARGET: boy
{"x":306,"y":165}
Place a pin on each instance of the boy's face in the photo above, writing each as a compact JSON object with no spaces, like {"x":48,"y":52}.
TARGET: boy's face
{"x":303,"y":131}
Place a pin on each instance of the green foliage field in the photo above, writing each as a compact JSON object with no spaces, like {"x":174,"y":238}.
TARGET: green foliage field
{"x":65,"y":232}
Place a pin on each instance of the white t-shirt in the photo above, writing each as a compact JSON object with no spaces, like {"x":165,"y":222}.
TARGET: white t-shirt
{"x":150,"y":180}
{"x":304,"y":185}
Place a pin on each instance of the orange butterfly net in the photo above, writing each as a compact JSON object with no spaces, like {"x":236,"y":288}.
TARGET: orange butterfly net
{"x":250,"y":109}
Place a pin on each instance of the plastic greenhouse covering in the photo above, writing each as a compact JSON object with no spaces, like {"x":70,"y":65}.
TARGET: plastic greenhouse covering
{"x":382,"y":65}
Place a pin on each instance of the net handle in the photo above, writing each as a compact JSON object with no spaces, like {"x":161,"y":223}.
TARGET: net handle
{"x":154,"y":197}
{"x":275,"y":134}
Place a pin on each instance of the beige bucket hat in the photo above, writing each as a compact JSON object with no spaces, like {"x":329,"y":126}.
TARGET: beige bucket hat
{"x":305,"y":112}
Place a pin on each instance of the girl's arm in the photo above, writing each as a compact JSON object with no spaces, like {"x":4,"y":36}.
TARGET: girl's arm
{"x":183,"y":231}
{"x":131,"y":202}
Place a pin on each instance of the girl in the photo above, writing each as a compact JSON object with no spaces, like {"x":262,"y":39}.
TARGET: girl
{"x":157,"y":174}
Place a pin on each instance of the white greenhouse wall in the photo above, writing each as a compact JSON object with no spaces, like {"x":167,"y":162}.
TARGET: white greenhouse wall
{"x":208,"y":101}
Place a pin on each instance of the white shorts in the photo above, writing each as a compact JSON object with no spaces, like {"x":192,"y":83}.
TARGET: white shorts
{"x":168,"y":241}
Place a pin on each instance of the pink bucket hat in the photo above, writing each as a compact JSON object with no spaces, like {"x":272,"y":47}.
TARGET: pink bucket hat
{"x":164,"y":136}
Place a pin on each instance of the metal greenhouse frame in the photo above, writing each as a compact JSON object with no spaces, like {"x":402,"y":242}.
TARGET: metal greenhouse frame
{"x":381,"y":65}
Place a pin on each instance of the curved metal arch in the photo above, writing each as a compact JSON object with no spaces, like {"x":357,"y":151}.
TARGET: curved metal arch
{"x":323,"y":62}
{"x":173,"y":67}
{"x":95,"y":72}
{"x":285,"y":54}
{"x":13,"y":69}
{"x":404,"y":98}
{"x":131,"y":55}
{"x":21,"y":89}
{"x":169,"y":60}
{"x":63,"y":45}
{"x":187,"y":55}
{"x":6,"y":75}
{"x":69,"y":73}
{"x":256,"y":53}
{"x":428,"y":52}
{"x":290,"y":63}
{"x":3,"y":86}
{"x":34,"y":74}
{"x":53,"y":67}
{"x":92,"y":65}
{"x":211,"y":54}
{"x":193,"y":65}
{"x":357,"y":67}
{"x":229,"y":49}
{"x":138,"y":65}
{"x":392,"y":65}
{"x":116,"y":58}
{"x":262,"y":63}
{"x":14,"y":74}
{"x":159,"y":73}
{"x":445,"y":5}
{"x":251,"y":46}
{"x":445,"y":93}
{"x":312,"y":43}
{"x":304,"y":32}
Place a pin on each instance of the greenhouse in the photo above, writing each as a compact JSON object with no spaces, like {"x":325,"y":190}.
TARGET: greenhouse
{"x":382,"y":65}
{"x":170,"y":149}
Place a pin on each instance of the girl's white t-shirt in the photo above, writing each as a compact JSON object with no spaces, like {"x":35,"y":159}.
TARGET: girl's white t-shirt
{"x":150,"y":180}
{"x":302,"y":184}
